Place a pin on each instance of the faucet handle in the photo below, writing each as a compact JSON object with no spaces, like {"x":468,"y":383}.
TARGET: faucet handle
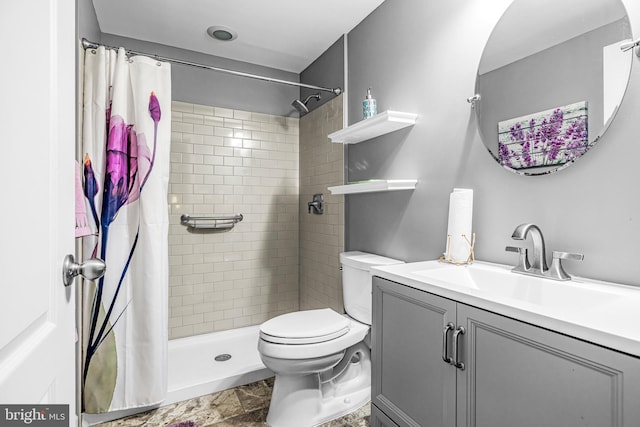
{"x":517,"y":249}
{"x":523,"y":262}
{"x":567,"y":255}
{"x":556,"y":271}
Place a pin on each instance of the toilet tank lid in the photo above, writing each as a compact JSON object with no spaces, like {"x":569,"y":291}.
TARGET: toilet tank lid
{"x":364,"y":261}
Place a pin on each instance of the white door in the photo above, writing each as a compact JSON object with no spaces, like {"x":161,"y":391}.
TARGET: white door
{"x":37,"y":146}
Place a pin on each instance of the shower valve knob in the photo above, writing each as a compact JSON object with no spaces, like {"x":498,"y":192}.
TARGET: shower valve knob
{"x":317,"y":205}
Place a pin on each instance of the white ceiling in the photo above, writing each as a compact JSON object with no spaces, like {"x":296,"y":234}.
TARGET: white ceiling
{"x":283,"y":34}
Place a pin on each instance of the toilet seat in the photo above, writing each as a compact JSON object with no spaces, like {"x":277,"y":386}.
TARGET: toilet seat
{"x":305,"y":327}
{"x":356,"y":332}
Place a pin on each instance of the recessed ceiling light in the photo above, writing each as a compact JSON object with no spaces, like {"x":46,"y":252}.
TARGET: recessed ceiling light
{"x":222,"y":33}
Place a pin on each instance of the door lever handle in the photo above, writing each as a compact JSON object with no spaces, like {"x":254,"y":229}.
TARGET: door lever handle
{"x":91,"y":269}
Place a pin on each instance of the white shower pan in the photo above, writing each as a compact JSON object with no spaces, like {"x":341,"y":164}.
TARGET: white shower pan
{"x":193,"y":370}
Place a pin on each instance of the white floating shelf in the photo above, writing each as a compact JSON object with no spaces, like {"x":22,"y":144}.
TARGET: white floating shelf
{"x":380,"y":124}
{"x":374,"y":186}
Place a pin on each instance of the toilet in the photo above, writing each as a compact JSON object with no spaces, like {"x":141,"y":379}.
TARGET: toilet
{"x":321,"y":358}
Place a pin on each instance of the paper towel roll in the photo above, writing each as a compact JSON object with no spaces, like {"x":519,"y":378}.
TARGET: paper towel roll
{"x":460,"y":219}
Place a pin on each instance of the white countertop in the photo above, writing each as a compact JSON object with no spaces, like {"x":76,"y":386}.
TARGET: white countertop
{"x":604,"y":313}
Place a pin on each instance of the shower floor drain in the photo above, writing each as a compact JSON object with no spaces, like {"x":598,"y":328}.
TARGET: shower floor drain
{"x":222,"y":357}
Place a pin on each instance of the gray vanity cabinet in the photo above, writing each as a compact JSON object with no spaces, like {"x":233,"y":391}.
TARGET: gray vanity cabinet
{"x":515,"y":374}
{"x":410,"y":382}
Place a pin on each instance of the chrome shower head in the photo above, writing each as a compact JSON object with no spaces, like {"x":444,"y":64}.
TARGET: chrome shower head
{"x":301,"y":106}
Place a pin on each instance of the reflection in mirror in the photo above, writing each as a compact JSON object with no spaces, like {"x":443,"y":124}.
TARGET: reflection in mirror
{"x":550,"y":80}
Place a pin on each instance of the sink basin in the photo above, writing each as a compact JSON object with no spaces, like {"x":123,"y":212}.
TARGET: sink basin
{"x":596,"y":311}
{"x":496,"y":281}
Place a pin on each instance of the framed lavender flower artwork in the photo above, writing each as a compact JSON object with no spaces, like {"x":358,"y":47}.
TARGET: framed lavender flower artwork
{"x":547,"y":138}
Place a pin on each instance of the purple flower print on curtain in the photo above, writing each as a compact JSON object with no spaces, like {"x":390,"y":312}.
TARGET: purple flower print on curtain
{"x":90,"y":191}
{"x":127,"y":155}
{"x":155,"y":113}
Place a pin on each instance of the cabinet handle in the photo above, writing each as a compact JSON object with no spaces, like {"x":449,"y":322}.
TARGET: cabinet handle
{"x":445,"y":343}
{"x":456,"y":362}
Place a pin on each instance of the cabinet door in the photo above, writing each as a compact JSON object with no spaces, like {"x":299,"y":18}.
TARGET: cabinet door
{"x":411,"y":383}
{"x":521,"y":375}
{"x":379,"y":419}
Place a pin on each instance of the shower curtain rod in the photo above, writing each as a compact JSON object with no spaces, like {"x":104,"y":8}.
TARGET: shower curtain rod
{"x":86,"y":44}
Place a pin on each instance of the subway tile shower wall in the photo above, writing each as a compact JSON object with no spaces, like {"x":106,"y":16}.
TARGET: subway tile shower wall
{"x":321,"y":236}
{"x":225,"y":162}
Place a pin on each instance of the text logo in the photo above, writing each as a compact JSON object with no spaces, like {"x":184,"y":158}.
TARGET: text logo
{"x":34,"y":415}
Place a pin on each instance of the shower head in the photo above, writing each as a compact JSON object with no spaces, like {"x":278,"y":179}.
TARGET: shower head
{"x":301,"y":106}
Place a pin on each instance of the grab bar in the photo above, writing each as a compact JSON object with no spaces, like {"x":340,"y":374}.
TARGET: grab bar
{"x":210,"y":222}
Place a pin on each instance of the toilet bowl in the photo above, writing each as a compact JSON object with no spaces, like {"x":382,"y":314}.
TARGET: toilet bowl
{"x":321,"y":358}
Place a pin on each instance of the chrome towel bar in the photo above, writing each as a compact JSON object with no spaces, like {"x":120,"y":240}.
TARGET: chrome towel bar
{"x":210,"y":222}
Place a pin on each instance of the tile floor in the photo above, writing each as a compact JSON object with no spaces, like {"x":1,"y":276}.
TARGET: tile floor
{"x":244,"y":406}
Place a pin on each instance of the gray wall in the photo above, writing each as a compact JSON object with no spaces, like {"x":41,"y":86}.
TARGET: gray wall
{"x":87,"y":21}
{"x":428,"y":65}
{"x":199,"y":86}
{"x":326,"y":71}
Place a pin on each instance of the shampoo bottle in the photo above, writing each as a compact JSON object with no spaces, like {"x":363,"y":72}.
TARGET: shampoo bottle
{"x":369,"y":106}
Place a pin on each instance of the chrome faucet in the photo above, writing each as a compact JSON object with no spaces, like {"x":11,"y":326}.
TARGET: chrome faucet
{"x":538,"y":266}
{"x":539,"y":263}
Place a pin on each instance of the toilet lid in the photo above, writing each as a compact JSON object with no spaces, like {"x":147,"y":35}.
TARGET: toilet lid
{"x":305,"y":327}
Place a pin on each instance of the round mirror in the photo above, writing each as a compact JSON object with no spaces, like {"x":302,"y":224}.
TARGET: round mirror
{"x":550,"y":81}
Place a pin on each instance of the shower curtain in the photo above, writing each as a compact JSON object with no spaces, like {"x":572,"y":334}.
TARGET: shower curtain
{"x":126,"y":137}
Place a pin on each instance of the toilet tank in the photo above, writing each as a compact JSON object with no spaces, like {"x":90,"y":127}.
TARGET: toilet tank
{"x":357,"y":284}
